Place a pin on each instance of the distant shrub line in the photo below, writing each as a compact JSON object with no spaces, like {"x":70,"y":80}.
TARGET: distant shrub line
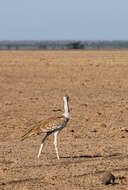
{"x":54,"y":45}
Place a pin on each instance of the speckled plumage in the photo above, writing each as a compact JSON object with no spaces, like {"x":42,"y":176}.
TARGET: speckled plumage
{"x":48,"y":126}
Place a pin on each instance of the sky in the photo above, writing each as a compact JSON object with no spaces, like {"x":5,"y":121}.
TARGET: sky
{"x":63,"y":19}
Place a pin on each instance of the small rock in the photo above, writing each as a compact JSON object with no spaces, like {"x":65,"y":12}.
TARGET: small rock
{"x":122,"y":136}
{"x":124,"y":129}
{"x":99,"y":113}
{"x":94,"y":130}
{"x":103,"y":125}
{"x":8,"y":103}
{"x":84,"y":105}
{"x":20,"y":91}
{"x":55,"y":110}
{"x":3,"y":183}
{"x":108,"y":178}
{"x":87,"y":119}
{"x":84,"y":84}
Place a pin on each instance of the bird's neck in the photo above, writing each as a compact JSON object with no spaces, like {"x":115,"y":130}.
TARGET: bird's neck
{"x":66,"y":110}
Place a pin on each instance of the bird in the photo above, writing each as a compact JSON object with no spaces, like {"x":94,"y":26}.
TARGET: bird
{"x":52,"y":125}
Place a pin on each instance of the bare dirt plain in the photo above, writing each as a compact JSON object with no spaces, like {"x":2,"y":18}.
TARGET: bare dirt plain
{"x":32,"y":86}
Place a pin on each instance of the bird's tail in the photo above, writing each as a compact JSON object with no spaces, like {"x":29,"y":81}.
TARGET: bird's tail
{"x":26,"y":134}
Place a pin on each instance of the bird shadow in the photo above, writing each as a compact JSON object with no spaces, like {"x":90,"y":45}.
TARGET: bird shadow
{"x":82,"y":156}
{"x":91,"y":156}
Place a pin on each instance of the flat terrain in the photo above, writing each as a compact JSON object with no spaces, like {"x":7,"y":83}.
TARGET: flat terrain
{"x":32,"y":86}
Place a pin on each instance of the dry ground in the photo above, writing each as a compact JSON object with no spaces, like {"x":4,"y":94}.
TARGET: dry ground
{"x":32,"y":86}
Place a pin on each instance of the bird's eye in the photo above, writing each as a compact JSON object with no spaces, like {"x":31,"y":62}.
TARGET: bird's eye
{"x":67,"y":97}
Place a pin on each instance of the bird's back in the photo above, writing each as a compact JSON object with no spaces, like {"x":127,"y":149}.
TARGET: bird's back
{"x":49,"y":125}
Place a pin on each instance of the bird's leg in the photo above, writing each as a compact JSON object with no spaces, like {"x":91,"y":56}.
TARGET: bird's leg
{"x":42,"y":143}
{"x":55,"y":143}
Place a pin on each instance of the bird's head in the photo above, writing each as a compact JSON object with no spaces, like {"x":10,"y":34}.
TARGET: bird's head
{"x":66,"y":98}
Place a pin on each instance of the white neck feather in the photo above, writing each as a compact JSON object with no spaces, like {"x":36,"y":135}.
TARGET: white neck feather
{"x":66,"y":109}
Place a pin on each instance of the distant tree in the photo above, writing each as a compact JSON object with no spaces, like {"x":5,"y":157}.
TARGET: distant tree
{"x":75,"y":45}
{"x":42,"y":45}
{"x":8,"y":46}
{"x":17,"y":46}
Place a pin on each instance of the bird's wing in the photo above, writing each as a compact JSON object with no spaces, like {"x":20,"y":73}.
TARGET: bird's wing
{"x":52,"y":123}
{"x":48,"y":125}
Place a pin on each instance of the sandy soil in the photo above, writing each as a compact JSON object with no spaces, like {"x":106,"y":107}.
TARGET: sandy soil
{"x":32,"y":86}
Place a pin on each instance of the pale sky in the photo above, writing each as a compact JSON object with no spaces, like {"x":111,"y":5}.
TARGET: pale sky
{"x":63,"y":19}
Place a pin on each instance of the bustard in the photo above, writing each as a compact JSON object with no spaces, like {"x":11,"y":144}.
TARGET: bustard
{"x":49,"y":126}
